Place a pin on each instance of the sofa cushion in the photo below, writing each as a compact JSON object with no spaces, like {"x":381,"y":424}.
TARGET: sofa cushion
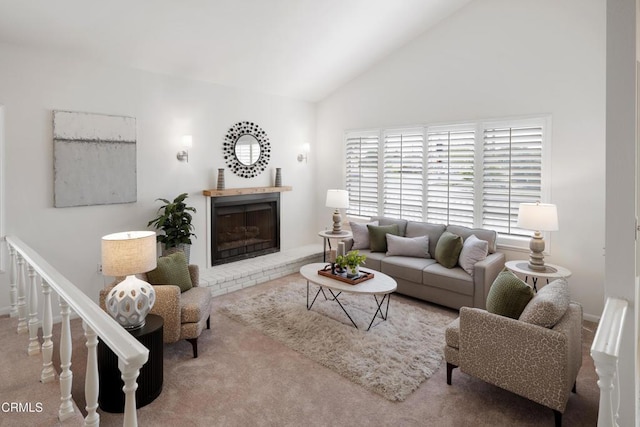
{"x":378,"y":236}
{"x":450,"y":279}
{"x":194,"y":303}
{"x":452,"y":334}
{"x":401,"y":223}
{"x":548,"y":306}
{"x":473,"y":250}
{"x":448,"y":249}
{"x":360,"y":234}
{"x":408,"y":246}
{"x":373,"y":259}
{"x":407,"y":268}
{"x":171,"y":270}
{"x":508,"y":295}
{"x":434,"y":231}
{"x":481,"y":233}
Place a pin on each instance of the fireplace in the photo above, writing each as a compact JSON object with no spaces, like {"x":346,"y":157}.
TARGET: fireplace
{"x":244,"y":226}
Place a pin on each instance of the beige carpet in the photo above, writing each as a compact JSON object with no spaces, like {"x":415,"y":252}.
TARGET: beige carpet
{"x":392,"y":359}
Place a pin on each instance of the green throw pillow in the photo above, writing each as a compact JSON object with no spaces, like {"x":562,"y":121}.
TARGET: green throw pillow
{"x":171,"y":270}
{"x":448,"y":249}
{"x":508,"y":295}
{"x":378,"y":236}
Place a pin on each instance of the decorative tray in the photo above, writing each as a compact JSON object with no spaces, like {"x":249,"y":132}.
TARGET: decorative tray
{"x":361,"y":277}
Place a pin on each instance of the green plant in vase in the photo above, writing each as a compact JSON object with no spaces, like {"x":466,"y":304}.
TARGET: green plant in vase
{"x":174,"y":219}
{"x":351,"y":261}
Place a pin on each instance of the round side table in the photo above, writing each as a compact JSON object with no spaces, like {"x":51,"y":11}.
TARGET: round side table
{"x":327,"y":235}
{"x":551,"y":272}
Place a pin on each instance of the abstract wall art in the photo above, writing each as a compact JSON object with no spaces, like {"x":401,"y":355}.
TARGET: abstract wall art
{"x":94,"y":159}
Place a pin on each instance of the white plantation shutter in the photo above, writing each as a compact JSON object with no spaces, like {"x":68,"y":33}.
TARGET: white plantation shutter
{"x":362,"y":174}
{"x":450,"y":176}
{"x":403,"y":174}
{"x":512,"y":174}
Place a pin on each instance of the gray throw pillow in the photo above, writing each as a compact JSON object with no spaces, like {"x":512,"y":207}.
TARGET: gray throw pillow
{"x":408,"y":246}
{"x":473,"y":250}
{"x":378,"y":236}
{"x":448,"y":249}
{"x":360,"y":234}
{"x":508,"y":295}
{"x":549,"y":305}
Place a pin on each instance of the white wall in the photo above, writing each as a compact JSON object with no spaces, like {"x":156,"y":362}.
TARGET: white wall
{"x":32,"y":84}
{"x":492,"y":59}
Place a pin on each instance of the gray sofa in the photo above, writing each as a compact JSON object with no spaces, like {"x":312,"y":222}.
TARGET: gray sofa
{"x":424,"y":278}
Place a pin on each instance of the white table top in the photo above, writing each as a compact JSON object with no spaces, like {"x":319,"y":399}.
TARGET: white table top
{"x":328,"y":234}
{"x":552,"y":272}
{"x":380,"y":284}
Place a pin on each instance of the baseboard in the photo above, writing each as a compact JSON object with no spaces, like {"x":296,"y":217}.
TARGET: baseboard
{"x":591,"y":317}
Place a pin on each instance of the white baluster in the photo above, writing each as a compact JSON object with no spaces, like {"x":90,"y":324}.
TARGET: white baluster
{"x":606,"y":370}
{"x":66,"y":377}
{"x":22,"y":305}
{"x":48,"y":373}
{"x":13,"y":292}
{"x":91,"y":381}
{"x":129,"y":375}
{"x":34,"y":344}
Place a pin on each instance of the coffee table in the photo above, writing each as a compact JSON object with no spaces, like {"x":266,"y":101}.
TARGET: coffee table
{"x":381,"y":284}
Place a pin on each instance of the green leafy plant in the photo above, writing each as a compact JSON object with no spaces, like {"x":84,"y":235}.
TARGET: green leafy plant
{"x":174,"y":219}
{"x":352,"y":259}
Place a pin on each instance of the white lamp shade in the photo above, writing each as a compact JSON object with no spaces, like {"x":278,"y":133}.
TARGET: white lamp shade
{"x":338,"y":199}
{"x":538,"y":216}
{"x":129,"y":253}
{"x":187,"y":141}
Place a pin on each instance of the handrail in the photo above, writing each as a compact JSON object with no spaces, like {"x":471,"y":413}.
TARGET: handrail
{"x":605,"y":352}
{"x":126,"y":347}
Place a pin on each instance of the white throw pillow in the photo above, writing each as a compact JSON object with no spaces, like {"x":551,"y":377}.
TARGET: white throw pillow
{"x":408,"y":246}
{"x":360,"y":234}
{"x":473,"y":250}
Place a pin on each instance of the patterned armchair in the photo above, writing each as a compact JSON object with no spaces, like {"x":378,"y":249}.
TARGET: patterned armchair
{"x":538,"y":363}
{"x":185,"y":314}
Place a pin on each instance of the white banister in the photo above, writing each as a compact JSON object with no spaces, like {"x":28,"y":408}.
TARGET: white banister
{"x":13,"y":291}
{"x":34,"y":344}
{"x":132,"y":355}
{"x":22,"y":304}
{"x":605,"y":352}
{"x":48,"y":373}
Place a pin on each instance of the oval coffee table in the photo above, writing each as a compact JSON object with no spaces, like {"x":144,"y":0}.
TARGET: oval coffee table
{"x":380,"y":284}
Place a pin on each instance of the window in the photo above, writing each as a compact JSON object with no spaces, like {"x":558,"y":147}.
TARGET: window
{"x":470,"y":174}
{"x":362,"y":173}
{"x":450,"y":176}
{"x":403,"y":168}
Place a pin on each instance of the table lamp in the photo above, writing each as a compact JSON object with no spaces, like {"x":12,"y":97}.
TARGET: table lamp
{"x":338,"y":199}
{"x":127,"y":254}
{"x":537,"y":217}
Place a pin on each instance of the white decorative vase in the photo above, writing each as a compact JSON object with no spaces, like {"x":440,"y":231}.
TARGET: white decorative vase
{"x":353,"y":271}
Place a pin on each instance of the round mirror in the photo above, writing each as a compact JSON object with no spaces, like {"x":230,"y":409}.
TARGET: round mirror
{"x":246,"y":149}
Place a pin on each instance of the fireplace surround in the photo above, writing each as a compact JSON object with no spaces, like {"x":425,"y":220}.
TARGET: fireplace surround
{"x":244,"y":226}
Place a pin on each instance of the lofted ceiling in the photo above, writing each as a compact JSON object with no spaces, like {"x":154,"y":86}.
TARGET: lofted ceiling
{"x":303,"y":49}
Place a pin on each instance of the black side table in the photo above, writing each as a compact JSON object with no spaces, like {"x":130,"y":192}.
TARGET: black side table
{"x":111,"y":396}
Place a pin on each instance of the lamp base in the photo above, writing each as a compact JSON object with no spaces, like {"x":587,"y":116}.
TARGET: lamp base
{"x":337,"y":222}
{"x":129,"y":302}
{"x":536,"y":256}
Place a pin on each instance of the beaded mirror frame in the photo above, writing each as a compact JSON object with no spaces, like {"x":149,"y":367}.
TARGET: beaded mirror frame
{"x":229,"y":149}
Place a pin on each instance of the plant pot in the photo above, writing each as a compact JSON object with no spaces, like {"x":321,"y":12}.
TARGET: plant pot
{"x":353,"y":271}
{"x":181,"y":247}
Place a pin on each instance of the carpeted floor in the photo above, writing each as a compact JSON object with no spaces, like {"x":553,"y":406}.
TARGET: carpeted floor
{"x":245,"y":378}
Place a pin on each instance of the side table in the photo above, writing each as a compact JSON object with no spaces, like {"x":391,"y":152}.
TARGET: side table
{"x":327,"y":235}
{"x":111,"y":396}
{"x":551,"y":272}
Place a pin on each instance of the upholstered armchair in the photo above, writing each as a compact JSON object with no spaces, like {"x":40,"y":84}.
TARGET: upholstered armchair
{"x":185,"y":314}
{"x":535,"y":362}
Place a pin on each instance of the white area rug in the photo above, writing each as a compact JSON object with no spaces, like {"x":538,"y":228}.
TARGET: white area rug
{"x":392,"y":359}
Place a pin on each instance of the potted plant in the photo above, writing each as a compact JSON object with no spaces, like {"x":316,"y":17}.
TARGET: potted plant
{"x":351,"y":261}
{"x":174,"y":219}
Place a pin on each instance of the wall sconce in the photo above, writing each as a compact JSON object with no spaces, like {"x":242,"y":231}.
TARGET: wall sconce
{"x":305,"y":153}
{"x":187,"y":142}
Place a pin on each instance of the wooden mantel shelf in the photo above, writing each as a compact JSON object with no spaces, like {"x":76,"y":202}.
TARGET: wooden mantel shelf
{"x":241,"y":191}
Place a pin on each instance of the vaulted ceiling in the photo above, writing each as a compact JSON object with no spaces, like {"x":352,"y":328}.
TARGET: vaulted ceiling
{"x":303,"y":49}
